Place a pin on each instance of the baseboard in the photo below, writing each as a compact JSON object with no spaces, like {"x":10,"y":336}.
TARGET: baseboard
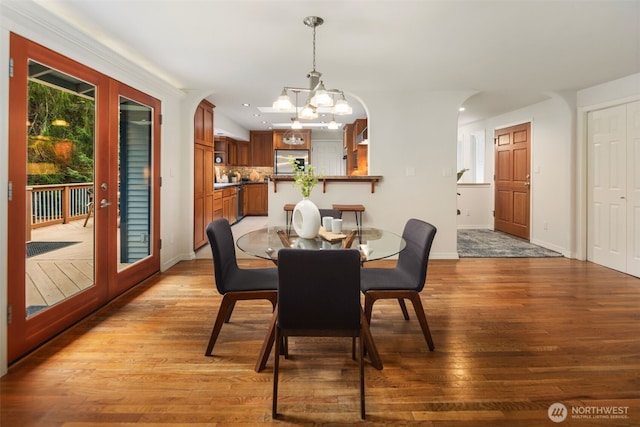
{"x":475,"y":227}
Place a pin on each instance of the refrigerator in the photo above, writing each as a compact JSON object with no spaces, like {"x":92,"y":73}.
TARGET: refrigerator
{"x":281,"y":161}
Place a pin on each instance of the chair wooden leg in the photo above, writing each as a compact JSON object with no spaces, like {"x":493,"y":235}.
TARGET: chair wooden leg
{"x":226,"y":308}
{"x":229,"y":311}
{"x":276,"y":367}
{"x":413,"y":296}
{"x":422,"y":318}
{"x":368,"y":306}
{"x":403,"y":307}
{"x":227,"y":303}
{"x":267,"y":344}
{"x":368,"y":344}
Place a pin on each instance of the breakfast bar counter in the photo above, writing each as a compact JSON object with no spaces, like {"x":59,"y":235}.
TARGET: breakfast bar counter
{"x":373,"y":179}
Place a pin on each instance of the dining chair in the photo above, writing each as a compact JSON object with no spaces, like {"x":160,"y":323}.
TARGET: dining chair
{"x":318,"y":296}
{"x":334,"y":213}
{"x":406,"y":279}
{"x":232,"y":282}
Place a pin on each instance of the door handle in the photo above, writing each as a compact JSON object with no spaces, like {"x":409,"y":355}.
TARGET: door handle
{"x":527,"y":184}
{"x":104,"y":203}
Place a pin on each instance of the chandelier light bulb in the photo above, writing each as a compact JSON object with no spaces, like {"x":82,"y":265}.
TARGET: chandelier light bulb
{"x":342,"y":107}
{"x":321,"y":97}
{"x":283,"y":103}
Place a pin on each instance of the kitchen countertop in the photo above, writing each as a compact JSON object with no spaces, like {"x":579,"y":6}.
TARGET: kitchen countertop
{"x":221,"y":185}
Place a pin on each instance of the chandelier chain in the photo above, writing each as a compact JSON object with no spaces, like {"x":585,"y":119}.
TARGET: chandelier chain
{"x":314,"y":48}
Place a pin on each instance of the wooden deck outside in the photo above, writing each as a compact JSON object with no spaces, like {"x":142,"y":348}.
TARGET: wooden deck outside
{"x":59,"y":274}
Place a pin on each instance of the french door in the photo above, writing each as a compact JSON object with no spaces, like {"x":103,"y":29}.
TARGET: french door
{"x":84,"y":192}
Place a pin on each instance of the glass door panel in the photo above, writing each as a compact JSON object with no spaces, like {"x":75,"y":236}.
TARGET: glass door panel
{"x":59,"y":192}
{"x":134,"y":183}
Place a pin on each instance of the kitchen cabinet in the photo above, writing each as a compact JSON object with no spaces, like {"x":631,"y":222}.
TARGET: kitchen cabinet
{"x":203,"y":169}
{"x":278,"y":136}
{"x":232,"y":152}
{"x":360,"y":132}
{"x":220,"y":152}
{"x":256,"y":199}
{"x":242,"y":153}
{"x":230,"y":204}
{"x":348,"y":141}
{"x":203,"y":123}
{"x":357,"y":151}
{"x":261,"y":148}
{"x":217,"y":204}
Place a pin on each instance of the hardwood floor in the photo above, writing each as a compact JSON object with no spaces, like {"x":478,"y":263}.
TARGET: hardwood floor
{"x":512,"y":337}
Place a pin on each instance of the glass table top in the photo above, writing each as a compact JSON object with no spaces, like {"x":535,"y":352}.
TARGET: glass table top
{"x":374,"y":243}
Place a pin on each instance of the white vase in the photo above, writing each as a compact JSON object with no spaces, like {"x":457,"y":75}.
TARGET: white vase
{"x":306,"y":219}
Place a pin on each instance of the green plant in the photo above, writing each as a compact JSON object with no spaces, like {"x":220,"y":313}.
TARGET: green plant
{"x":304,"y":177}
{"x":460,"y":173}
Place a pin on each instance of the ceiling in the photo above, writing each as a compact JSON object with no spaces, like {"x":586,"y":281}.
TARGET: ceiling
{"x":511,"y":53}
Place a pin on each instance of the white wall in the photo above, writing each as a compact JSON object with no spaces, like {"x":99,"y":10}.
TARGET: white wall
{"x":476,"y":206}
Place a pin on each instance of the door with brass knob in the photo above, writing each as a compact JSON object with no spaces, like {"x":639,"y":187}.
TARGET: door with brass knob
{"x":513,"y":180}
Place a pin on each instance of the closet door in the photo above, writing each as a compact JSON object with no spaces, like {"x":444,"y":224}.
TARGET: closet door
{"x":614,"y":187}
{"x":633,"y":189}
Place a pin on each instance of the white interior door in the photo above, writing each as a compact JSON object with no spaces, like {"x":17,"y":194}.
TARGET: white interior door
{"x":327,"y":157}
{"x":633,"y":188}
{"x":607,"y":185}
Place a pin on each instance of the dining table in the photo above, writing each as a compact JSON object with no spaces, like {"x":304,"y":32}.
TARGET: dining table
{"x":373,"y":244}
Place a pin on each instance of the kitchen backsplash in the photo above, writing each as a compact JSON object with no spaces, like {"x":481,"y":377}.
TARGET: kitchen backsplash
{"x":251,"y":173}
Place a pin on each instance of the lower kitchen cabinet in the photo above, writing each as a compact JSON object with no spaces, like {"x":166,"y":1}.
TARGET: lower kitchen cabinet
{"x":230,"y":204}
{"x":256,"y":199}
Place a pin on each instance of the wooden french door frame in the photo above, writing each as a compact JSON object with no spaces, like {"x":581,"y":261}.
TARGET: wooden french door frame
{"x":512,"y":212}
{"x":126,"y":278}
{"x":26,"y":333}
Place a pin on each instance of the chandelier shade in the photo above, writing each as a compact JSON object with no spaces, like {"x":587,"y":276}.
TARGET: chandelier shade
{"x":318,"y":95}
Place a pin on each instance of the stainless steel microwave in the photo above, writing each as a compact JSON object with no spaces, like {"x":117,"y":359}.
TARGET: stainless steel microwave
{"x":281,"y":161}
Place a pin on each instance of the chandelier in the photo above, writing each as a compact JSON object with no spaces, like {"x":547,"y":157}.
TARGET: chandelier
{"x":318,"y":95}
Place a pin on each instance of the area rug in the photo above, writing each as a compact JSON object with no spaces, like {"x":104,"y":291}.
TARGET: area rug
{"x":39,"y":248}
{"x":495,"y":244}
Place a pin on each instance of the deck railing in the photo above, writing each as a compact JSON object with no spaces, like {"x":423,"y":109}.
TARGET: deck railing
{"x":58,"y":204}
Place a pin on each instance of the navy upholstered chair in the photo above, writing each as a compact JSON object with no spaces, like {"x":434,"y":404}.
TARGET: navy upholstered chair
{"x":232,"y":282}
{"x":318,"y":296}
{"x":407,"y":279}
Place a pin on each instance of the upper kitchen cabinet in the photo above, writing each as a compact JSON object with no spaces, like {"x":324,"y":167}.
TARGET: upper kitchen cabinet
{"x":355,"y":144}
{"x":360,"y":132}
{"x":279,"y":136}
{"x":203,"y":123}
{"x":232,"y":152}
{"x":221,"y":152}
{"x":242,"y":153}
{"x":262,"y":148}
